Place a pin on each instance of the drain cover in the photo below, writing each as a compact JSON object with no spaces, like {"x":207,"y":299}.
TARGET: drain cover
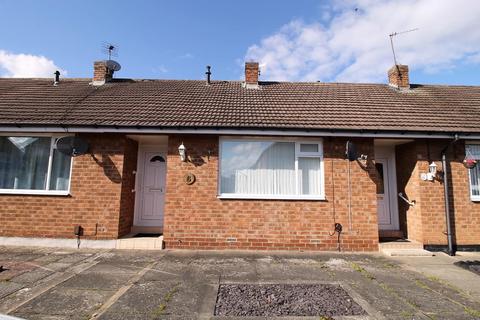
{"x":263,"y":300}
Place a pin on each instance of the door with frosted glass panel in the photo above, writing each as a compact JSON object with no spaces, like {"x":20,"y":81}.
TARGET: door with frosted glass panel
{"x":383,"y":194}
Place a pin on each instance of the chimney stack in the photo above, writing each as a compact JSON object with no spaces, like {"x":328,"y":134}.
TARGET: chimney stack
{"x":252,"y":72}
{"x":398,"y":77}
{"x":101,"y":73}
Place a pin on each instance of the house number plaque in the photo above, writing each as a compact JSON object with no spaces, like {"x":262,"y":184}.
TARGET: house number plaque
{"x":189,"y":178}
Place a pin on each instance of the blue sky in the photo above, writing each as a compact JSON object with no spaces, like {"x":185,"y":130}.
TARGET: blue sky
{"x":303,"y":40}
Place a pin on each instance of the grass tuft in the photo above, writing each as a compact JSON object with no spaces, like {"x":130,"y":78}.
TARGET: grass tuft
{"x":363,"y":272}
{"x":474,"y":313}
{"x":160,"y":309}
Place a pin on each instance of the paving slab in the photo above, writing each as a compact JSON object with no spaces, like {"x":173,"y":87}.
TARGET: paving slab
{"x":96,"y":281}
{"x":64,"y":302}
{"x":32,"y":276}
{"x":8,"y":287}
{"x":441,"y":267}
{"x":155,"y":300}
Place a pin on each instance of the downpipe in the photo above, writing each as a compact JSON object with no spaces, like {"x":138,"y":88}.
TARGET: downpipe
{"x":446,"y":192}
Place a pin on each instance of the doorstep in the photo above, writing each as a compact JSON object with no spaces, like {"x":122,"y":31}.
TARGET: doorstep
{"x":403,"y":248}
{"x":142,"y":243}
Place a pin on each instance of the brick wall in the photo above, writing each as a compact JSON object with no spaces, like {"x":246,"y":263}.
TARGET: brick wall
{"x":127,"y":201}
{"x":102,"y":201}
{"x":408,"y":182}
{"x":195,"y":218}
{"x":426,"y":221}
{"x":94,"y":203}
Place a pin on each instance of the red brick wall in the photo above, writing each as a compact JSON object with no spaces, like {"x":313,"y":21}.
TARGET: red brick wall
{"x":408,"y":182}
{"x":196,"y":219}
{"x":426,"y":221}
{"x":127,"y":201}
{"x":466,"y":214}
{"x":94,"y":203}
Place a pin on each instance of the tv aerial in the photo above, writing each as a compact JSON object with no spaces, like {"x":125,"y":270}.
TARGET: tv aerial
{"x":111,"y":50}
{"x":394,"y":34}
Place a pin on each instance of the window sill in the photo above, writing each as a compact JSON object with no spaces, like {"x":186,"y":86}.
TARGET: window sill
{"x":34,"y":192}
{"x":475,"y":199}
{"x":270,"y":197}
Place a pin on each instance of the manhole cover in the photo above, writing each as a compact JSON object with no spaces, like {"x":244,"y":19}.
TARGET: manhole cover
{"x":261,"y":300}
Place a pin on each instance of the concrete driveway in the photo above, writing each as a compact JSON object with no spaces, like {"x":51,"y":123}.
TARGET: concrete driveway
{"x":85,"y":284}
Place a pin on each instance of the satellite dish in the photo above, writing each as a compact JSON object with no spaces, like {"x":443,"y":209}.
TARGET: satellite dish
{"x":113,"y":65}
{"x":72,"y":146}
{"x":351,"y":151}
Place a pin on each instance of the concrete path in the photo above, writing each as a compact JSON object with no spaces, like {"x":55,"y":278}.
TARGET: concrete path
{"x":85,"y":284}
{"x":441,"y":268}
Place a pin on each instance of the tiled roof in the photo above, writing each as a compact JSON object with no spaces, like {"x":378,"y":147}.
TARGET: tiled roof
{"x":226,"y":104}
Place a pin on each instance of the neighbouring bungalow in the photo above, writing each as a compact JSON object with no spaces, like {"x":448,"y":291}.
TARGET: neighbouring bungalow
{"x":247,"y":164}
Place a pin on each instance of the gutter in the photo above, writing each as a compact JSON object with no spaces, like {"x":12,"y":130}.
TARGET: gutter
{"x":246,"y":131}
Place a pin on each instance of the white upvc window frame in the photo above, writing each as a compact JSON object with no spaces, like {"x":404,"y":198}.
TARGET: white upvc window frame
{"x":46,"y":191}
{"x":298,"y":154}
{"x":473,"y":198}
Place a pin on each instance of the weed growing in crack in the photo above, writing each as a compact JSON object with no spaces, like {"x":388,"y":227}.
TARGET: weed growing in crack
{"x":160,"y":310}
{"x":406,"y":314}
{"x":421,"y":284}
{"x":447,"y":284}
{"x":389,"y":265}
{"x":474,"y":313}
{"x":467,"y":310}
{"x":363,"y":272}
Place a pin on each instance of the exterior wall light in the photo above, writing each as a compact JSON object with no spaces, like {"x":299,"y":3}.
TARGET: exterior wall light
{"x":432,"y":169}
{"x":432,"y":172}
{"x":182,"y":151}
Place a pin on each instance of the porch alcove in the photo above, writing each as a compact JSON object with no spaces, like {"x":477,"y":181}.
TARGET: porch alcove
{"x":143,"y":223}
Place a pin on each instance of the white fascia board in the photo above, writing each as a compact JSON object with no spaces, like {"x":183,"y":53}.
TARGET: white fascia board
{"x":221,"y":131}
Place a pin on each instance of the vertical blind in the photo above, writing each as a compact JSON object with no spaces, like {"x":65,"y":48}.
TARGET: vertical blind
{"x":473,"y":150}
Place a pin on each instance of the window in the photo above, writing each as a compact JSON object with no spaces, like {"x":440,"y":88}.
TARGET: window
{"x":271,"y":169}
{"x":473,"y":150}
{"x":32,"y":165}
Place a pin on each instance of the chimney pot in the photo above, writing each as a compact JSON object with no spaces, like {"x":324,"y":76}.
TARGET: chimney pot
{"x":252,"y":72}
{"x":57,"y":78}
{"x":101,"y":73}
{"x":398,"y":76}
{"x":208,"y":73}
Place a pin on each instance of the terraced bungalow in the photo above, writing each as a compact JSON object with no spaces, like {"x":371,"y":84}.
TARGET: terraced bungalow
{"x":261,"y":165}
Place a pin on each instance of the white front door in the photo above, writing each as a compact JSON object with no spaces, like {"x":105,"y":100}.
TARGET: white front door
{"x":383,"y":193}
{"x":152,"y":190}
{"x":387,"y":202}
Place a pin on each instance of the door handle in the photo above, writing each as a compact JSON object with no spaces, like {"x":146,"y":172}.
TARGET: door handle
{"x":410,"y":203}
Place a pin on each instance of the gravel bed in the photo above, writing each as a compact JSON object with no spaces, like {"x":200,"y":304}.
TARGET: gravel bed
{"x":285,"y":300}
{"x":473,"y":266}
